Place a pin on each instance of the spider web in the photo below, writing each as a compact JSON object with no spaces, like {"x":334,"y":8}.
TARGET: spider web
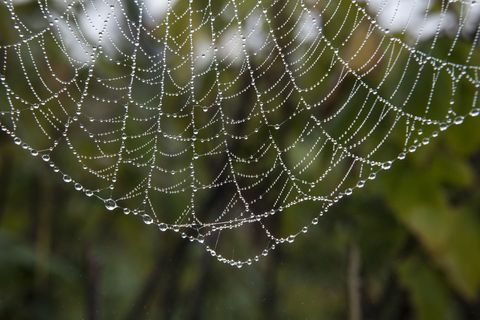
{"x":215,"y":119}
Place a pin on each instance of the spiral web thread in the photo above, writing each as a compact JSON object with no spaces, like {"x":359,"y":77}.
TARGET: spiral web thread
{"x":213,"y":118}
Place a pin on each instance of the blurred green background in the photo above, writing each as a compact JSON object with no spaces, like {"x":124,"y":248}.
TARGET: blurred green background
{"x":405,"y":247}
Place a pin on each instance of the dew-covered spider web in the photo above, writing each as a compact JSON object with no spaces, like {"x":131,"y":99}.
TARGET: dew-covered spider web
{"x":216,"y":118}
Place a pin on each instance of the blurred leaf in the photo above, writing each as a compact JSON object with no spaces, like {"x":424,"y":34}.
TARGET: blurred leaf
{"x":427,"y":291}
{"x":448,"y":234}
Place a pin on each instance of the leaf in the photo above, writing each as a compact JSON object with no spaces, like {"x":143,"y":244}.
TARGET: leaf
{"x":429,"y":296}
{"x":447,"y":234}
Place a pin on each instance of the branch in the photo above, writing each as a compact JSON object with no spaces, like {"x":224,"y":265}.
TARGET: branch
{"x":354,"y":283}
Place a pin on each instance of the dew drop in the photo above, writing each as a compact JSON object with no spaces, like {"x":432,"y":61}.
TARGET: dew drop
{"x":163,"y":227}
{"x":458,"y":120}
{"x":110,"y":204}
{"x":147,"y":219}
{"x":475,"y":112}
{"x":387,"y":165}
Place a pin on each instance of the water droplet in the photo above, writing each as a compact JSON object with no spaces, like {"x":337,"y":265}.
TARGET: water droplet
{"x":387,"y":165}
{"x":315,"y":221}
{"x":67,"y":179}
{"x":458,"y":120}
{"x":17,"y":141}
{"x":291,"y":239}
{"x":475,"y":112}
{"x":78,"y":187}
{"x":163,"y":227}
{"x":45,"y":157}
{"x":110,"y":204}
{"x":88,"y":193}
{"x":147,"y":219}
{"x":444,"y":126}
{"x":348,"y":191}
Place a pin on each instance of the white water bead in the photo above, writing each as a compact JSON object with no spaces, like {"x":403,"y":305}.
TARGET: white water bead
{"x":444,"y":126}
{"x":475,"y":112}
{"x":387,"y":165}
{"x":110,"y":204}
{"x":458,"y":120}
{"x":147,"y":219}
